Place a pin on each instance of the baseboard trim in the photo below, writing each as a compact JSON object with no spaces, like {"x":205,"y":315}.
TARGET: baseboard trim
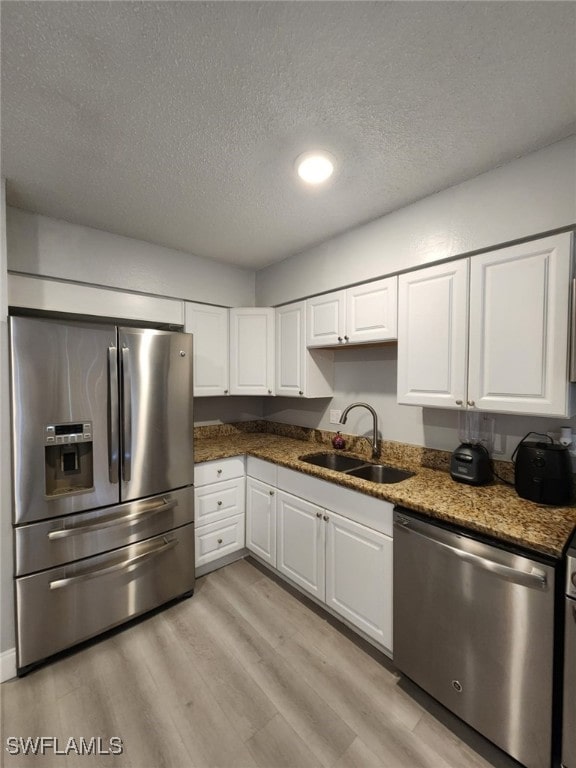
{"x":7,"y":664}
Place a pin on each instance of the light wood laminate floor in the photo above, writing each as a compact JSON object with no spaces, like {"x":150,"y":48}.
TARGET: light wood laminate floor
{"x":243,"y":674}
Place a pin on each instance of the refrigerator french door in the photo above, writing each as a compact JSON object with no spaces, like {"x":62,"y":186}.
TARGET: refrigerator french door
{"x":102,"y":433}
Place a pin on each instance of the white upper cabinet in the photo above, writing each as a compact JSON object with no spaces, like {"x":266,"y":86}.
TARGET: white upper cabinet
{"x":252,"y":351}
{"x":299,"y":371}
{"x":211,"y":350}
{"x":432,"y":335}
{"x":503,"y":347}
{"x":371,"y":311}
{"x":362,"y":314}
{"x":519,"y":310}
{"x":326,"y":318}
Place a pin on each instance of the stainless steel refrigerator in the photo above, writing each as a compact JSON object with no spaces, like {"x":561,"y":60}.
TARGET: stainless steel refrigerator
{"x":102,"y":432}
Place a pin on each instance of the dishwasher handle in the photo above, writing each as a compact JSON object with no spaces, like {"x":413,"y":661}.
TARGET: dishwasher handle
{"x":535,"y":579}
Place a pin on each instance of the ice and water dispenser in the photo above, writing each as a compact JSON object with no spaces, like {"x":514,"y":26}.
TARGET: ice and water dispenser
{"x":69,"y":464}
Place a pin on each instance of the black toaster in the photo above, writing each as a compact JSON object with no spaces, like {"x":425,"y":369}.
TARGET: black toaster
{"x":470,"y":463}
{"x":543,"y":473}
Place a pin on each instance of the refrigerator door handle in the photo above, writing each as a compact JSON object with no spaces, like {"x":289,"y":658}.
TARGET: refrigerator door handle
{"x":126,"y":416}
{"x":142,"y":512}
{"x":131,"y":561}
{"x":113,"y":437}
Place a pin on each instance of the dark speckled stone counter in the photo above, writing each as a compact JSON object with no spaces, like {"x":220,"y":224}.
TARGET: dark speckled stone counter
{"x":495,"y":510}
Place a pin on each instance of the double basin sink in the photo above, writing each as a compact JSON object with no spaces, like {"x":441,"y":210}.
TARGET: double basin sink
{"x":376,"y":473}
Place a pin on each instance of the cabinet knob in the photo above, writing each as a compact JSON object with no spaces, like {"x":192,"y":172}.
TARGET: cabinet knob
{"x":219,"y":503}
{"x":300,"y":392}
{"x":458,"y":402}
{"x":340,"y":338}
{"x":269,"y":391}
{"x":471,"y":403}
{"x":225,"y":391}
{"x":219,"y":541}
{"x":218,"y":471}
{"x":318,"y":514}
{"x":346,"y":338}
{"x":326,"y":518}
{"x":271,"y":493}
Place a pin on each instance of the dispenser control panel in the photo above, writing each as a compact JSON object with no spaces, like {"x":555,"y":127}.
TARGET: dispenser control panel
{"x":67,"y":434}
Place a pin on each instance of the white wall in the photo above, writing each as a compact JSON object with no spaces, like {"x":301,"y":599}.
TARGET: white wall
{"x":528,"y":196}
{"x":38,"y":245}
{"x":6,"y":596}
{"x":534,"y":194}
{"x":369,"y":375}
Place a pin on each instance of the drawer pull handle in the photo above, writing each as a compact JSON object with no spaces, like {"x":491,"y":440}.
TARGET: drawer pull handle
{"x":142,"y":511}
{"x":137,"y":560}
{"x":219,"y":541}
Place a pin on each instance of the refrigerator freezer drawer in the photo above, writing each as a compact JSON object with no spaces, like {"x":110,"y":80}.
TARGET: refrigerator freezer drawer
{"x":65,"y":539}
{"x":63,"y":606}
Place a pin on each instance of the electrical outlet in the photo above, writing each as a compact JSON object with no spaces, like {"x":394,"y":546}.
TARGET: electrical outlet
{"x":335,"y":416}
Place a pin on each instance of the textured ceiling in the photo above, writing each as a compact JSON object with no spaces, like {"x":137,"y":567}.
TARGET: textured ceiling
{"x":179,"y":122}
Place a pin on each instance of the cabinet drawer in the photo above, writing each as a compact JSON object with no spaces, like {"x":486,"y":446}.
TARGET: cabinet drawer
{"x":214,"y":471}
{"x":218,"y":501}
{"x":218,"y":539}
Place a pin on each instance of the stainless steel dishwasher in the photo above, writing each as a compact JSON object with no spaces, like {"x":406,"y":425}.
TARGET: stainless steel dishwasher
{"x":569,"y":708}
{"x":474,"y":627}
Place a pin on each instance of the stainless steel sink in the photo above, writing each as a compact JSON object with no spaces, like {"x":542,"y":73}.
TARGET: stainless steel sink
{"x":380,"y":473}
{"x":333,"y":461}
{"x":377,"y":473}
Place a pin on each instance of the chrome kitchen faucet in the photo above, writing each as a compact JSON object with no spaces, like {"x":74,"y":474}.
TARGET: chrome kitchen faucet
{"x":375,"y":448}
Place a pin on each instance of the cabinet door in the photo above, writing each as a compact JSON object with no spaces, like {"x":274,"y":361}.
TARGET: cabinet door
{"x":300,"y":372}
{"x":261,"y":520}
{"x":359,"y":576}
{"x":300,"y":543}
{"x":519,"y":307}
{"x":371,"y":311}
{"x":325,"y":320}
{"x":209,"y":325}
{"x":252,"y":351}
{"x":432,"y":335}
{"x":290,"y":349}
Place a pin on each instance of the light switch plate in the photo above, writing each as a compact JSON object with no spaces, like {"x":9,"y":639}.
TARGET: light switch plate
{"x":335,"y":416}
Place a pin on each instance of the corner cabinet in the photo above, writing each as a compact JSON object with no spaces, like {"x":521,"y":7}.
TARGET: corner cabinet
{"x":300,"y":372}
{"x":209,"y":325}
{"x":261,"y":509}
{"x":363,"y":314}
{"x":252,"y":351}
{"x":489,"y":332}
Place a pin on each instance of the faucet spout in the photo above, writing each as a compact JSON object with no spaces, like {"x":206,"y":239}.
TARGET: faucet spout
{"x":375,"y":447}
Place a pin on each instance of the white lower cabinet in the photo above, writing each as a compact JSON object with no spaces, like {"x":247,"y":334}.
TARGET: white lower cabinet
{"x":261,"y":520}
{"x":219,"y":503}
{"x":359,"y":576}
{"x":300,"y":543}
{"x":339,"y":561}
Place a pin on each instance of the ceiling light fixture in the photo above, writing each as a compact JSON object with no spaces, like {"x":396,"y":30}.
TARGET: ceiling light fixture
{"x":315,"y":167}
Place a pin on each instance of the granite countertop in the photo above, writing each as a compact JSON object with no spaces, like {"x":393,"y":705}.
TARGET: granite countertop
{"x":495,"y":509}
